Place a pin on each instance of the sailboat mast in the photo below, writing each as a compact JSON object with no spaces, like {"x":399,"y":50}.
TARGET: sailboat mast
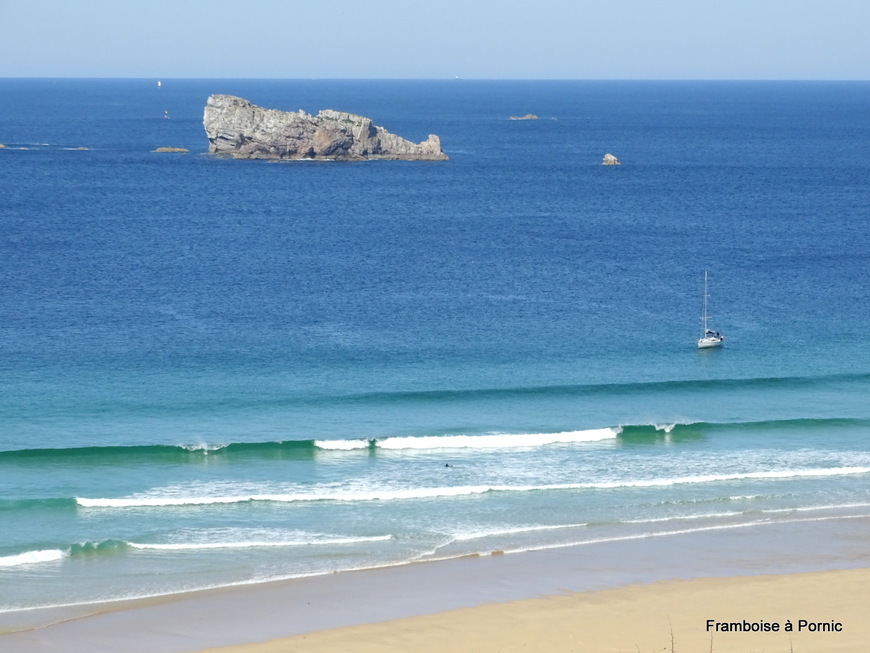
{"x":704,"y":330}
{"x":708,"y":338}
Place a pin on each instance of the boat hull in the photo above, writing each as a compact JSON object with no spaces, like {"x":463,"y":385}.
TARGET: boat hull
{"x":707,"y":343}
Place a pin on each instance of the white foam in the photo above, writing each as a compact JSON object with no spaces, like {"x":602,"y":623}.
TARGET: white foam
{"x":685,"y":531}
{"x":199,"y":546}
{"x":832,"y":506}
{"x":392,"y":494}
{"x":32,"y":558}
{"x":341,"y":445}
{"x":657,"y":520}
{"x":202,"y":446}
{"x":666,"y":482}
{"x":385,"y":494}
{"x":739,"y":476}
{"x":142,"y":502}
{"x":495,"y":441}
{"x":477,"y":535}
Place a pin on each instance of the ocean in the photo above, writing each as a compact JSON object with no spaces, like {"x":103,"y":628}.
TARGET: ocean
{"x":218,"y":372}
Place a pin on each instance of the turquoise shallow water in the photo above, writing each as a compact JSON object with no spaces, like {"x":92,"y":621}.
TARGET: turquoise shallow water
{"x":218,"y":372}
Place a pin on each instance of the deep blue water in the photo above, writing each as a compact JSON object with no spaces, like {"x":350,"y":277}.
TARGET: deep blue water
{"x":202,"y":360}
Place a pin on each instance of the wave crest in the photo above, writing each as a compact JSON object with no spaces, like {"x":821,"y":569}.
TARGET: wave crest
{"x":32,"y":557}
{"x":496,"y":441}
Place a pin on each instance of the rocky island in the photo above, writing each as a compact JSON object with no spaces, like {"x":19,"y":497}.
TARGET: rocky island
{"x":243,"y":130}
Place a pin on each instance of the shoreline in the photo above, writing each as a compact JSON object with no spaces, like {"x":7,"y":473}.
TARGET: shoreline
{"x":242,"y":615}
{"x":85,"y":608}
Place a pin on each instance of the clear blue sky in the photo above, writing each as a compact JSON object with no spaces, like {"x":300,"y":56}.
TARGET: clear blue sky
{"x":489,"y":39}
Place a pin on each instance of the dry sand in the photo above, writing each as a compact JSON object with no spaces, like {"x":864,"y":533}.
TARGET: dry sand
{"x":660,"y":617}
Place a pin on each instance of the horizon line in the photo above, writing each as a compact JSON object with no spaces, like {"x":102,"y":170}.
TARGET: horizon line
{"x":439,"y":79}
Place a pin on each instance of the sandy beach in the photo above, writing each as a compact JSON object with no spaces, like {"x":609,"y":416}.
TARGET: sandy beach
{"x":824,"y":611}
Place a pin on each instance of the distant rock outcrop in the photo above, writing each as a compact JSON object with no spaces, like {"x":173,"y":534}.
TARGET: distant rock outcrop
{"x":610,"y":160}
{"x":171,"y":149}
{"x":242,"y":130}
{"x":528,"y":116}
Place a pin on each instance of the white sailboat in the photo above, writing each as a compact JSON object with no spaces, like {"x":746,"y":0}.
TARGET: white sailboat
{"x":709,"y":337}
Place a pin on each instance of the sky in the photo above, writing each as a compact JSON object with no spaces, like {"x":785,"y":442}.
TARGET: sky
{"x":437,"y":39}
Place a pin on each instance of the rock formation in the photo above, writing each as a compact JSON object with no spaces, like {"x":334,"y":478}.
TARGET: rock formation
{"x":244,"y":131}
{"x":528,"y":116}
{"x":610,"y":160}
{"x":170,"y":149}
